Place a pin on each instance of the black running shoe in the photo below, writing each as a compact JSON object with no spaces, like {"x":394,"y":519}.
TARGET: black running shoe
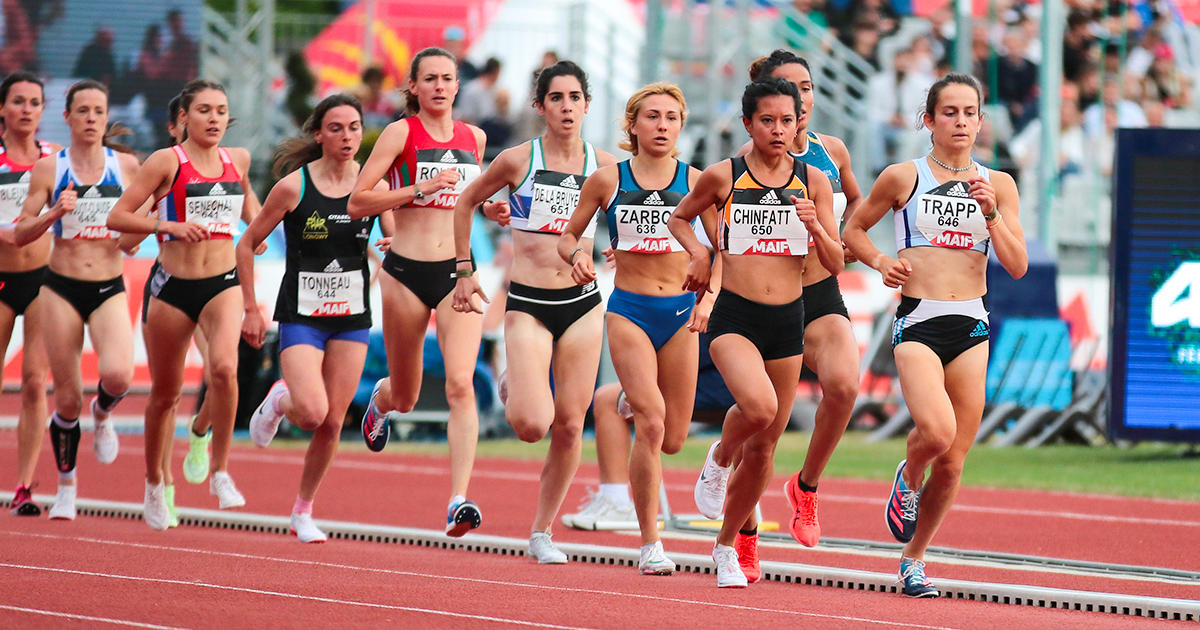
{"x":462,"y":518}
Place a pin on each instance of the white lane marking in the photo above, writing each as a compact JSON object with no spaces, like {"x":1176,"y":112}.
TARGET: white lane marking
{"x":63,"y":615}
{"x":565,"y":589}
{"x":327,"y":600}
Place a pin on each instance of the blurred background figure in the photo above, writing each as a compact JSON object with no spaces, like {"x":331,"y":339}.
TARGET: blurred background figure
{"x":379,"y":107}
{"x":452,"y":40}
{"x":96,"y":60}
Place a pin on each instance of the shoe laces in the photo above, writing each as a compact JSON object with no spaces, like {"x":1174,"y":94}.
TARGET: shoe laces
{"x":913,"y":570}
{"x":223,"y":484}
{"x":808,"y":508}
{"x":377,"y":423}
{"x":909,"y":500}
{"x":747,"y":549}
{"x":727,"y":561}
{"x":717,"y":478}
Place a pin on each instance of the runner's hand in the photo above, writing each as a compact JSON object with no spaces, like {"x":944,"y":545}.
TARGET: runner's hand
{"x":699,"y":273}
{"x":465,"y":290}
{"x":610,"y":257}
{"x":446,"y":179}
{"x":806,"y":209}
{"x":497,"y":211}
{"x":184,"y":231}
{"x":698,"y":322}
{"x":254,"y":328}
{"x":895,"y":271}
{"x":261,"y":249}
{"x":981,"y":191}
{"x":384,"y":244}
{"x":66,"y":200}
{"x":583,"y":272}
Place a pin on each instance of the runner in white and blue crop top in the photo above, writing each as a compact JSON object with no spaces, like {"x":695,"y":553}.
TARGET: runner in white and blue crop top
{"x":950,"y":213}
{"x":548,"y":318}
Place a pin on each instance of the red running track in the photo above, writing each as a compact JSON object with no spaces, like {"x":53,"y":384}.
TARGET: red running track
{"x":113,"y":575}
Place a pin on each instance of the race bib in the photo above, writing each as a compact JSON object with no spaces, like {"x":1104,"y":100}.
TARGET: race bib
{"x":555,"y":196}
{"x":430,"y":162}
{"x":949,"y":217}
{"x":88,"y":219}
{"x":763,"y":222}
{"x":334,"y":292}
{"x":215,"y":206}
{"x":14,"y":188}
{"x":641,"y":218}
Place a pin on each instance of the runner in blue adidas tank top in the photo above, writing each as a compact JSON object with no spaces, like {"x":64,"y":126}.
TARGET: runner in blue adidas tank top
{"x":22,"y":103}
{"x":324,"y":305}
{"x":771,"y":205}
{"x":949,"y":212}
{"x":549,"y":320}
{"x":77,"y":188}
{"x":652,"y":326}
{"x":830,"y":349}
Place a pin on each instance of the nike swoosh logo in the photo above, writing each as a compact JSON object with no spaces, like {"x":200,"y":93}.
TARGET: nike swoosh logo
{"x":105,"y":289}
{"x":678,"y":313}
{"x":229,"y":276}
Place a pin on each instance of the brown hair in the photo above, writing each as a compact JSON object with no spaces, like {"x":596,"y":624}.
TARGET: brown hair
{"x":634,"y":105}
{"x":935,"y":91}
{"x":296,"y":152}
{"x":411,"y":102}
{"x":114,"y":130}
{"x":194,"y":87}
{"x":764,"y":67}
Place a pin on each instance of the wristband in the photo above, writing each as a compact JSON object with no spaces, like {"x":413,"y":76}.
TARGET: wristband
{"x":156,"y":222}
{"x":459,"y":274}
{"x":464,"y":260}
{"x":992,"y":216}
{"x":417,"y":194}
{"x":571,"y":258}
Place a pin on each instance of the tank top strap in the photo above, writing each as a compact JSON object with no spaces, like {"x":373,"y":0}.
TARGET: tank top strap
{"x":305,"y":183}
{"x":589,"y":158}
{"x":537,"y":155}
{"x":224,"y":155}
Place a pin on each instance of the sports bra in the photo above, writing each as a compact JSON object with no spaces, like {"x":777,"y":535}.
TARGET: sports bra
{"x":545,"y":200}
{"x":760,"y":220}
{"x":942,"y":215}
{"x":637,"y":217}
{"x":14,"y":183}
{"x":89,"y":218}
{"x":212,"y":202}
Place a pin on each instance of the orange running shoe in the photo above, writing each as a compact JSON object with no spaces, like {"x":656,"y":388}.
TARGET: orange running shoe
{"x":747,"y":552}
{"x":804,"y":526}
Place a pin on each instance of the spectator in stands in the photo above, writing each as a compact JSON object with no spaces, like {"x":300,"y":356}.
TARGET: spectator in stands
{"x":1017,"y":80}
{"x":181,"y":61}
{"x":529,"y":123}
{"x":96,"y":60}
{"x":1032,"y":28}
{"x":1073,"y":146}
{"x":878,"y":13}
{"x":1156,"y":113}
{"x":1077,"y":45}
{"x":923,"y":58}
{"x":1141,"y":57}
{"x":991,"y":151}
{"x":477,"y":102}
{"x":865,"y":42}
{"x":896,"y":95}
{"x":1164,"y":82}
{"x":453,"y":39}
{"x":1128,"y":113}
{"x":378,"y":107}
{"x":941,"y":33}
{"x":812,"y":9}
{"x":1089,"y":86}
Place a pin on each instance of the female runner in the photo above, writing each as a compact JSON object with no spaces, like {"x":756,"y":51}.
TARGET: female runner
{"x":200,"y":188}
{"x":651,"y":326}
{"x":771,"y":205}
{"x":949,"y":212}
{"x":549,"y":321}
{"x":324,"y":305}
{"x":22,"y":103}
{"x":428,"y":160}
{"x":830,"y":348}
{"x":84,"y":285}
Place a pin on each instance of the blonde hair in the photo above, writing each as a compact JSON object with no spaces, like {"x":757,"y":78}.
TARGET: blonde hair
{"x":635,"y":105}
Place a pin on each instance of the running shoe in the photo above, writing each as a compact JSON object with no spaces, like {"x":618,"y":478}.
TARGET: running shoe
{"x":104,"y":441}
{"x":172,"y":511}
{"x":542,"y":549}
{"x":901,"y":513}
{"x":710,"y":487}
{"x":195,"y":464}
{"x":729,"y":573}
{"x":155,"y":512}
{"x":221,"y":486}
{"x":64,"y":504}
{"x":462,"y":518}
{"x":303,"y":527}
{"x":600,"y":512}
{"x":912,"y":574}
{"x":23,"y":503}
{"x":623,"y":408}
{"x":654,"y":560}
{"x":265,"y":420}
{"x":804,"y":526}
{"x":376,"y":427}
{"x":747,"y":553}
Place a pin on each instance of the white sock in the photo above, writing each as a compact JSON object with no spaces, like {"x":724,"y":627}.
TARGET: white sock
{"x":618,"y":492}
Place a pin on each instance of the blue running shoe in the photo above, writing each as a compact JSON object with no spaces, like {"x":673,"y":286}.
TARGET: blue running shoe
{"x":462,"y":518}
{"x":376,"y":428}
{"x":912,"y":574}
{"x":901,"y":514}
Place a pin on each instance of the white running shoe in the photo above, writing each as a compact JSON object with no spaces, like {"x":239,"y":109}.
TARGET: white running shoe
{"x":542,"y":549}
{"x":221,"y":486}
{"x":305,"y":530}
{"x":265,"y":420}
{"x":710,"y":487}
{"x":729,"y":572}
{"x":623,"y":408}
{"x":64,"y":503}
{"x":600,"y":512}
{"x":104,"y":441}
{"x":155,"y":512}
{"x":654,"y":560}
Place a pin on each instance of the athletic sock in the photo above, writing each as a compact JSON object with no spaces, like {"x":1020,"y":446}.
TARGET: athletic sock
{"x":749,"y":532}
{"x":302,"y":506}
{"x":105,"y":400}
{"x":64,"y":435}
{"x":803,"y":486}
{"x":618,"y":492}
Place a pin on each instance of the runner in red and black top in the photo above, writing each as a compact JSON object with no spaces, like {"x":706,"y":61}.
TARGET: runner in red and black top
{"x":428,"y":159}
{"x":22,"y":102}
{"x":200,"y":189}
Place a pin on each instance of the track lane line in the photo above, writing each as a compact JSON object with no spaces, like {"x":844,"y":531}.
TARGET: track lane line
{"x":63,"y":615}
{"x":482,"y":581}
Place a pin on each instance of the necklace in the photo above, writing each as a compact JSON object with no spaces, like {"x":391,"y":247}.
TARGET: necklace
{"x":947,"y":166}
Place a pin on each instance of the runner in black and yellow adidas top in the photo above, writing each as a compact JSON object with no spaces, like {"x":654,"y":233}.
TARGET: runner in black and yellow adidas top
{"x":22,"y":103}
{"x":548,"y":320}
{"x":949,"y":211}
{"x":72,"y":192}
{"x":652,"y":325}
{"x":771,"y":204}
{"x":324,"y":304}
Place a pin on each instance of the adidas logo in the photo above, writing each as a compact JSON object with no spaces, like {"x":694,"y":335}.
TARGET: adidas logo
{"x":770,"y":198}
{"x":92,"y":193}
{"x":217,"y":190}
{"x":24,"y":178}
{"x":569,"y":182}
{"x":653,"y":199}
{"x":959,"y":190}
{"x":981,"y":330}
{"x":333,"y":267}
{"x":448,"y":158}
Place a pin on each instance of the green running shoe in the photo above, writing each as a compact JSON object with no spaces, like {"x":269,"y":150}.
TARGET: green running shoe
{"x":195,"y":465}
{"x":172,"y":513}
